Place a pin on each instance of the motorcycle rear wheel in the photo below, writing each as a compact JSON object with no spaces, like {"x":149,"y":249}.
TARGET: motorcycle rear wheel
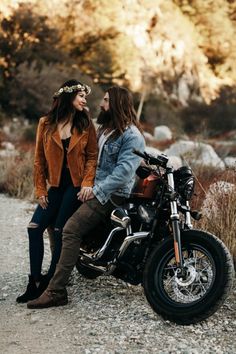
{"x":208,"y":280}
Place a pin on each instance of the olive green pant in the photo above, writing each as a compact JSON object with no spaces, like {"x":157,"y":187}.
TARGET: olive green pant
{"x":88,"y":216}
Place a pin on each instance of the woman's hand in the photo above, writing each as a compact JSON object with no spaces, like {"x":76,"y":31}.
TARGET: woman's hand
{"x":85,"y":193}
{"x":43,"y":201}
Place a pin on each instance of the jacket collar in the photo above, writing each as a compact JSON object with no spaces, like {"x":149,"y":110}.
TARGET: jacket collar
{"x":57,"y":139}
{"x":75,"y":138}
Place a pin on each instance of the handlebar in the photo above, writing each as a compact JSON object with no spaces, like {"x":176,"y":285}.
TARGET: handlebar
{"x":160,"y":160}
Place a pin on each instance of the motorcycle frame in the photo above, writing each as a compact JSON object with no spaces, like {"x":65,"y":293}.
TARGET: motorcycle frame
{"x":138,"y":236}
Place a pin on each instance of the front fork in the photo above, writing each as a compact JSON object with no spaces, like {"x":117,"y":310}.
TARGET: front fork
{"x":175,"y":221}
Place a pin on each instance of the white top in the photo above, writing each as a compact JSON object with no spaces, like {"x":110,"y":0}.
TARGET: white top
{"x":101,"y":141}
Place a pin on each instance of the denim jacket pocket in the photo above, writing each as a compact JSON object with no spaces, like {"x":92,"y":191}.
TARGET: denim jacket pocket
{"x":112,"y":151}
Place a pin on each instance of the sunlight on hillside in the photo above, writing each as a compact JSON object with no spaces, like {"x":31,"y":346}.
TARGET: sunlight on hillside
{"x":177,"y":56}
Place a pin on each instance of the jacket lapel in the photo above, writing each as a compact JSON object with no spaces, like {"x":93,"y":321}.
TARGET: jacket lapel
{"x":57,"y":139}
{"x":75,"y":138}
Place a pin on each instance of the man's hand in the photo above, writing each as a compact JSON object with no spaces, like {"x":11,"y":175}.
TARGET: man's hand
{"x":43,"y":201}
{"x":85,"y":193}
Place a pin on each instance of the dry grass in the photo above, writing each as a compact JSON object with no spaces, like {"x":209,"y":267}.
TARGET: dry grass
{"x":206,"y":176}
{"x":223,"y":223}
{"x":16,"y":175}
{"x":219,"y":216}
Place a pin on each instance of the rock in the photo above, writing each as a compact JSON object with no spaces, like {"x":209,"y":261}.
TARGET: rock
{"x":148,"y":137}
{"x":184,"y":90}
{"x":7,"y":145}
{"x":153,"y":151}
{"x":6,"y":129}
{"x":162,"y":133}
{"x":198,"y":153}
{"x":230,"y":162}
{"x":9,"y":150}
{"x":175,"y":162}
{"x":5,"y":287}
{"x":34,"y":319}
{"x":8,"y":153}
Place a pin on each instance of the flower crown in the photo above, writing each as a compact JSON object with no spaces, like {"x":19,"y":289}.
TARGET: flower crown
{"x":70,"y":89}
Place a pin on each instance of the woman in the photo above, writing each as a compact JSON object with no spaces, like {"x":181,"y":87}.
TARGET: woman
{"x":65,"y":158}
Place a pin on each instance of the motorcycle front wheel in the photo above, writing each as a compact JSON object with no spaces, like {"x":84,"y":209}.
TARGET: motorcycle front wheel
{"x":206,"y":283}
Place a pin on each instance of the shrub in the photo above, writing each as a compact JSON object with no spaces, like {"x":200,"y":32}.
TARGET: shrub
{"x":223,"y":222}
{"x":29,"y":133}
{"x":39,"y":86}
{"x":16,"y":175}
{"x":205,"y":176}
{"x":156,"y":111}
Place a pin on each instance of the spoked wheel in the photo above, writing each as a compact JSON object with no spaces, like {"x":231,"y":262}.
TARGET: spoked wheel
{"x":199,"y":273}
{"x":198,"y":292}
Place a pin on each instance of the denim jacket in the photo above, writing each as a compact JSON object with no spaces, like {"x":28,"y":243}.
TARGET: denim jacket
{"x":117,"y":165}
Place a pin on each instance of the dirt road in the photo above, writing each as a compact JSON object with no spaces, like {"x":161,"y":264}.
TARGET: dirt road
{"x":103,"y":316}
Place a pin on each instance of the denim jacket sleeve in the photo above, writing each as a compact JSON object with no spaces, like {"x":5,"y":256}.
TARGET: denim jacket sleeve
{"x":124,"y":169}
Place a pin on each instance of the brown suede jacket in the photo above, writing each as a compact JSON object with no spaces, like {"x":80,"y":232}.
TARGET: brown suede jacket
{"x":49,"y":155}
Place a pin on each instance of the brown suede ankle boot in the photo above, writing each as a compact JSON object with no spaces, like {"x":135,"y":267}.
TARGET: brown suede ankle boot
{"x":49,"y":298}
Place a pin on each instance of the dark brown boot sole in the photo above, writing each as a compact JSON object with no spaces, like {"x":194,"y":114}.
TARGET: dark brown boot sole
{"x":49,"y":304}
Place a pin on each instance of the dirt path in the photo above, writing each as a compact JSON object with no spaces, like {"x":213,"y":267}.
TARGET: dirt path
{"x":104,"y":316}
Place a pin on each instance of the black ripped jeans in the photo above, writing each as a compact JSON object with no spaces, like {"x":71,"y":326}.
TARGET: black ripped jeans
{"x":62,"y":203}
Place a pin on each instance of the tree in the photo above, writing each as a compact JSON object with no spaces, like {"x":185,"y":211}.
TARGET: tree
{"x":216,"y":117}
{"x":215,"y":23}
{"x":38,"y":88}
{"x":25,"y":38}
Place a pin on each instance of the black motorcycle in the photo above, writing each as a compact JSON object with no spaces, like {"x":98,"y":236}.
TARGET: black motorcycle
{"x":186,"y":273}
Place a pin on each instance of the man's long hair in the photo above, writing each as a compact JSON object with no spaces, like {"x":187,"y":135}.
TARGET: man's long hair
{"x":121,"y":109}
{"x":63,"y":110}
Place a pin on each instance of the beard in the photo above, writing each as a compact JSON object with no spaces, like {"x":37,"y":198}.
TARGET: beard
{"x":104,"y":118}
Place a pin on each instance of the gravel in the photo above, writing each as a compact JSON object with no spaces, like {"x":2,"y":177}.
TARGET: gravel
{"x":104,"y":315}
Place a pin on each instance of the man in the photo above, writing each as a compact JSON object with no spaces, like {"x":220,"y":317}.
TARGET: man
{"x":118,"y":136}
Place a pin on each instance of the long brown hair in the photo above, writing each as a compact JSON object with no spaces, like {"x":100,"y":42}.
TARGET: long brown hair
{"x":63,"y":110}
{"x":121,"y":108}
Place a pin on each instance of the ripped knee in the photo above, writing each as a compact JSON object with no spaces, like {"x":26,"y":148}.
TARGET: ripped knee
{"x":33,"y":225}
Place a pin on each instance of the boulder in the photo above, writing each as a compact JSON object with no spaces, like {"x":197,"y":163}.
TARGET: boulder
{"x":7,"y":145}
{"x":8,"y":150}
{"x":153,"y":151}
{"x":162,"y":133}
{"x":230,"y":162}
{"x":148,"y":137}
{"x":175,"y":162}
{"x":195,"y":152}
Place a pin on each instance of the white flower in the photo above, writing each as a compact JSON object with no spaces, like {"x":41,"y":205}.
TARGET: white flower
{"x":70,"y":89}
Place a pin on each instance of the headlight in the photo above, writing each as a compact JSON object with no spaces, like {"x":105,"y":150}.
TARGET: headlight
{"x":184,"y":182}
{"x":186,"y":189}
